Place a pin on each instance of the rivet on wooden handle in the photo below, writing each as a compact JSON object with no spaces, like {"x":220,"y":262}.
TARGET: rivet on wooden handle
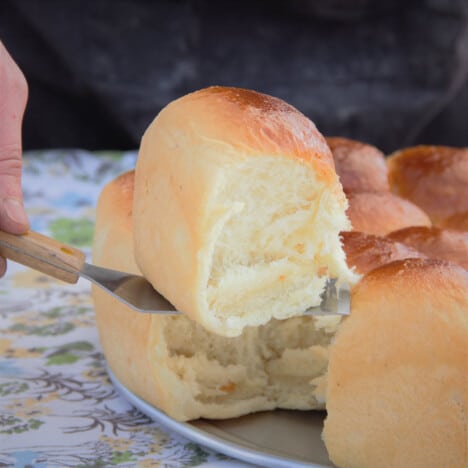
{"x":43,"y":254}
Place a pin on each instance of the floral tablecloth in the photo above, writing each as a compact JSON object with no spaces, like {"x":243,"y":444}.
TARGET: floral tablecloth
{"x":57,"y":405}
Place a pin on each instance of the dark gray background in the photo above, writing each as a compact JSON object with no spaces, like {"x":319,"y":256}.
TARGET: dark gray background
{"x":392,"y":73}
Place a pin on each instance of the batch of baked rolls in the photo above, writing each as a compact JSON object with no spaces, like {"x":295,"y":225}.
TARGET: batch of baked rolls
{"x":239,"y":211}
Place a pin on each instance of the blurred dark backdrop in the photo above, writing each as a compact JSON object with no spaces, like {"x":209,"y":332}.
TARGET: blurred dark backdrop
{"x":392,"y":73}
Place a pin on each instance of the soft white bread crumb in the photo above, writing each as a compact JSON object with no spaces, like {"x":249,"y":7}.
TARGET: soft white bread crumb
{"x":397,"y":392}
{"x":183,"y":369}
{"x":237,"y":209}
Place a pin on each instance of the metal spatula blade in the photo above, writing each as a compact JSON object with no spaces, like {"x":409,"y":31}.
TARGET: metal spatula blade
{"x":133,"y":290}
{"x":67,"y":263}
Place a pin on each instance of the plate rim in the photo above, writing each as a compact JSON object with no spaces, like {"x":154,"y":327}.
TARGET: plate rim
{"x":195,"y":434}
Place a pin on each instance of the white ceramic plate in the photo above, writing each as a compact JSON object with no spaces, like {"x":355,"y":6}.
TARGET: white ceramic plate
{"x":272,"y":438}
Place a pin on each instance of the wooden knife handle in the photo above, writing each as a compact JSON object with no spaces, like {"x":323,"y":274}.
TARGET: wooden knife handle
{"x":43,"y":254}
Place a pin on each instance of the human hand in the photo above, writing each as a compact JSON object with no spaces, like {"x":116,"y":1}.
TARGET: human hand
{"x":13,"y":97}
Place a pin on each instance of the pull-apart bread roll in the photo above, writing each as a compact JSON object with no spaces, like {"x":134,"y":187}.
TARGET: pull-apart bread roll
{"x":360,"y":167}
{"x":433,"y":177}
{"x":237,"y":209}
{"x":175,"y":364}
{"x":365,"y":252}
{"x":381,"y":213}
{"x":434,"y":242}
{"x":397,"y":392}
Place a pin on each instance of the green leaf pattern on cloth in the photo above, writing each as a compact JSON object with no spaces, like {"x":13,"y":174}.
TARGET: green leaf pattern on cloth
{"x":57,"y":405}
{"x":76,"y":232}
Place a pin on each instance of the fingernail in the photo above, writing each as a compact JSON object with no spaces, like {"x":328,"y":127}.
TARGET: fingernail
{"x":15,"y":211}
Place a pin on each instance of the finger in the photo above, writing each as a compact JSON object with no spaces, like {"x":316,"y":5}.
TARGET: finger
{"x":12,"y":214}
{"x":13,"y":217}
{"x":13,"y":97}
{"x":2,"y":266}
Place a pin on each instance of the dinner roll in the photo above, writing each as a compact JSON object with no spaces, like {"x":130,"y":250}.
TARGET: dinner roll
{"x":384,"y":212}
{"x":433,"y":177}
{"x":364,"y":252}
{"x":458,"y":221}
{"x":397,"y":393}
{"x":360,"y":167}
{"x":237,"y":209}
{"x":435,"y":242}
{"x":175,"y":364}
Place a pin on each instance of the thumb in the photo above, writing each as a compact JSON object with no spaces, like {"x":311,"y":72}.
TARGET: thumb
{"x":13,"y":217}
{"x":13,"y":97}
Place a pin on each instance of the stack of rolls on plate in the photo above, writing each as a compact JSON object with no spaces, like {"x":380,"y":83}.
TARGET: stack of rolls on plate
{"x":236,"y":214}
{"x":233,"y":212}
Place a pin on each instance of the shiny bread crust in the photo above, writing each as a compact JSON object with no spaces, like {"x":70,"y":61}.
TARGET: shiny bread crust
{"x":383,"y":212}
{"x":361,"y":167}
{"x":433,"y":177}
{"x":397,"y":390}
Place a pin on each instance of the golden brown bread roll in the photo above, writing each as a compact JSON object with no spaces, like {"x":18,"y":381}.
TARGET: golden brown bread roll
{"x":360,"y":167}
{"x":175,"y":364}
{"x":433,"y":177}
{"x":458,"y":221}
{"x":384,"y":212}
{"x":365,"y":252}
{"x":397,"y":393}
{"x":237,"y":209}
{"x":435,"y":242}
